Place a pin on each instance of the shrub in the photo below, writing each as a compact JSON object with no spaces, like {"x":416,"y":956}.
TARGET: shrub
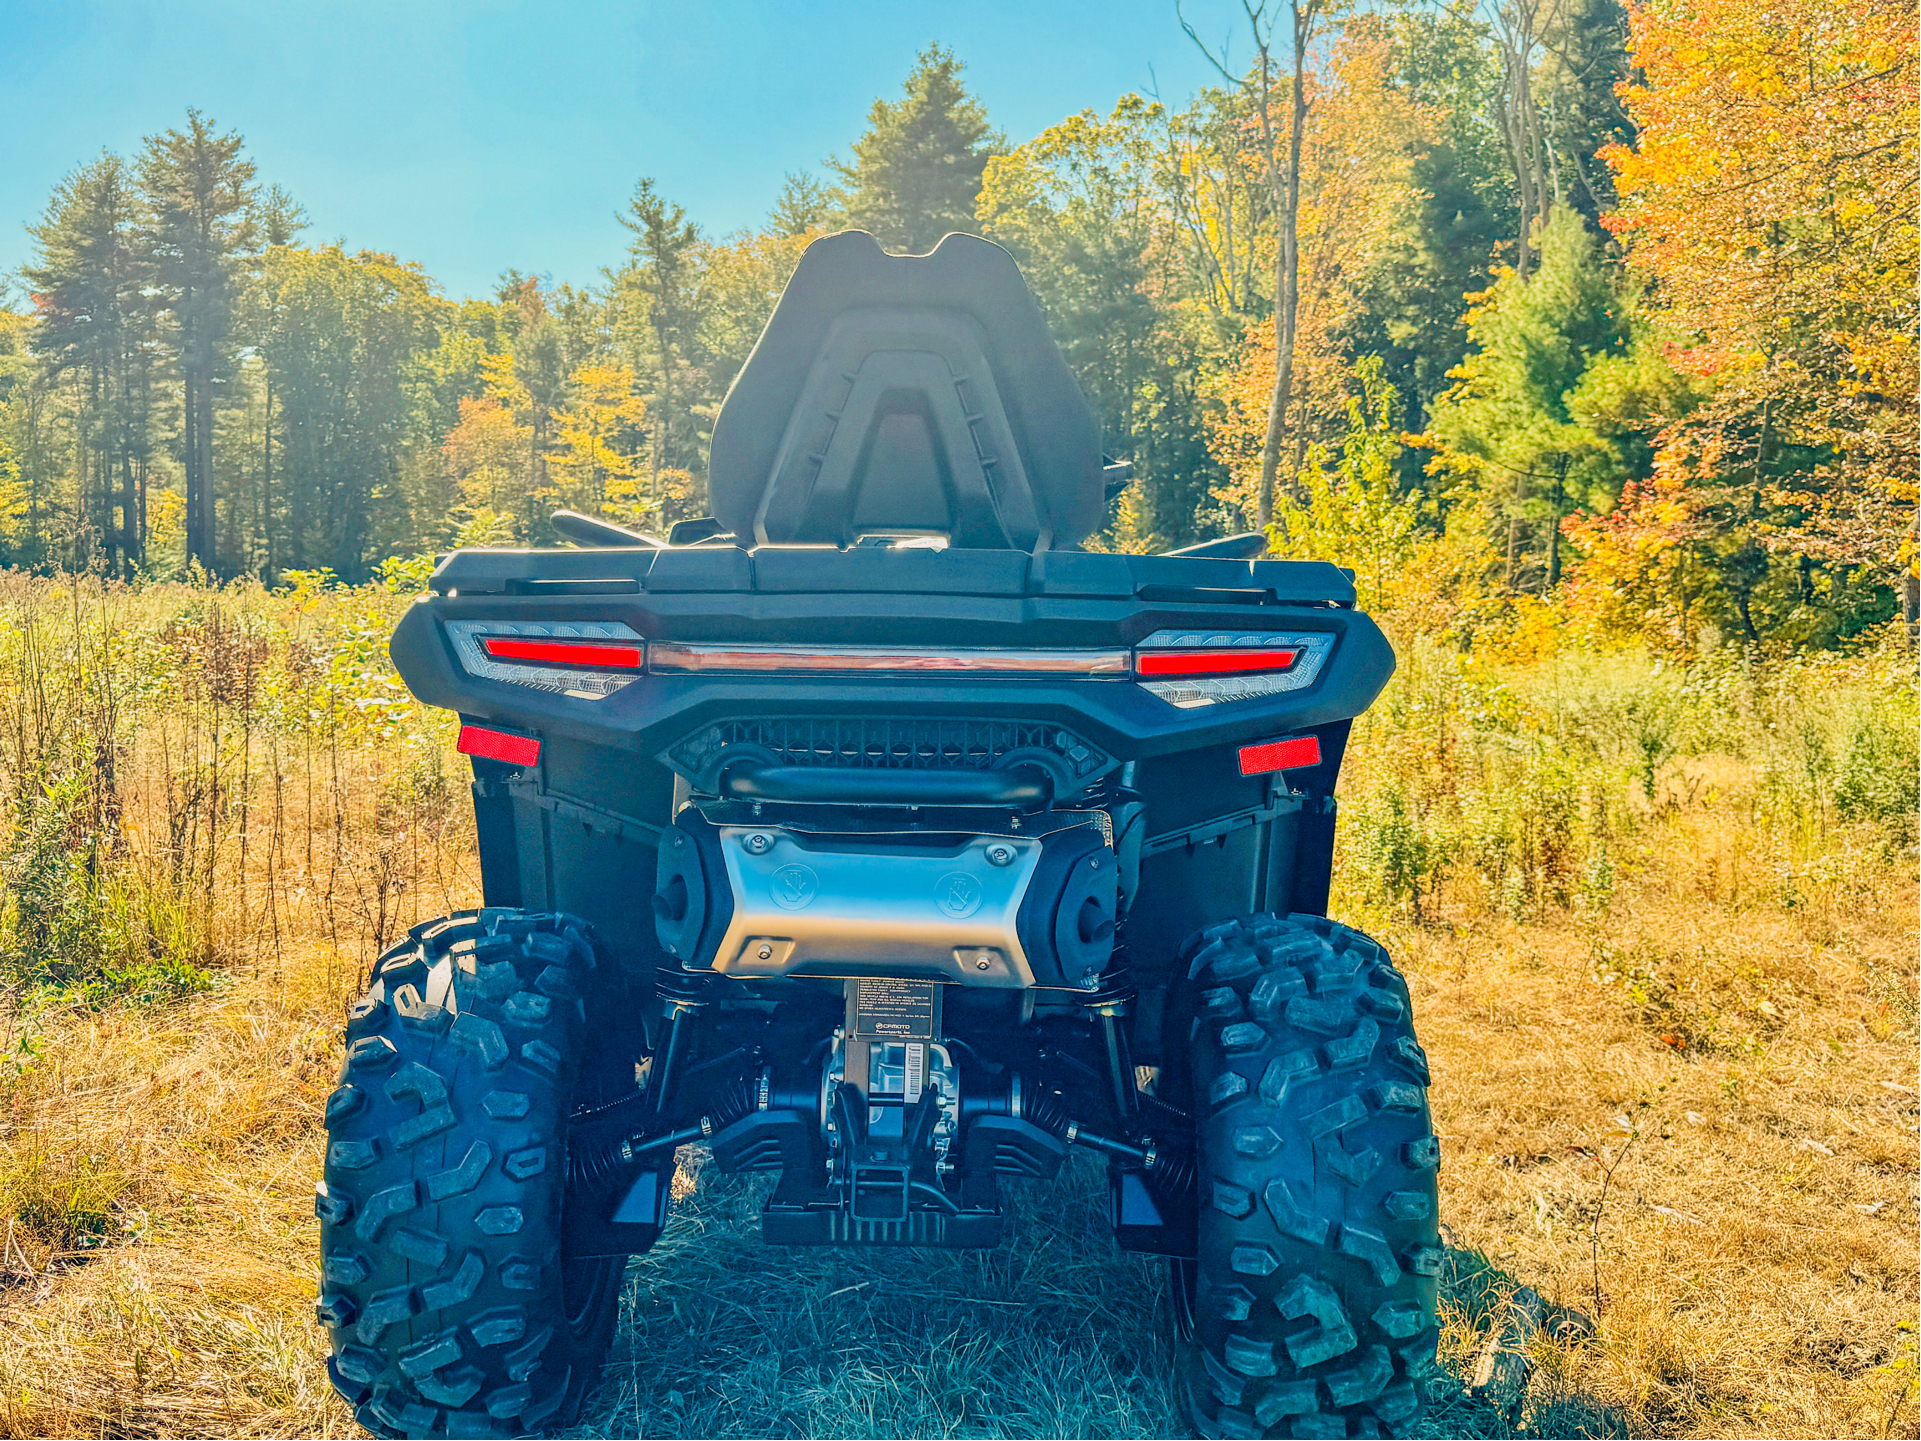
{"x":1396,"y":850}
{"x":76,"y":918}
{"x":1874,"y":778}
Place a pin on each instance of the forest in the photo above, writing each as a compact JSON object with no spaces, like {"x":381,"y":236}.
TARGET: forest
{"x":1501,"y":302}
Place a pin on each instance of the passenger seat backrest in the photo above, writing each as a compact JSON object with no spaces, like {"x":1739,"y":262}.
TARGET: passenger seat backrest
{"x":907,"y":393}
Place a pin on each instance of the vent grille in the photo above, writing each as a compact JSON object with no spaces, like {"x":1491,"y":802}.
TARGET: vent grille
{"x":917,"y":743}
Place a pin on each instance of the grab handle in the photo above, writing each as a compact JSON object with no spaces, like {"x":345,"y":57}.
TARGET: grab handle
{"x":1024,"y":787}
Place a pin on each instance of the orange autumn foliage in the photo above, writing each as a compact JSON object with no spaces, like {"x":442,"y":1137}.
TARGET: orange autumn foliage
{"x":1355,"y":183}
{"x":1772,"y":196}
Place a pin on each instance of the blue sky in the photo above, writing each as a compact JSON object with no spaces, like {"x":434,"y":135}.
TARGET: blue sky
{"x":488,"y":134}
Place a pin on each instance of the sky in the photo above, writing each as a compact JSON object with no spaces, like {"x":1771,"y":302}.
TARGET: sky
{"x":475,"y":136}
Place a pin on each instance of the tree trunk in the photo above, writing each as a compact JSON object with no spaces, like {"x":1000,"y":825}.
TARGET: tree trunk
{"x":1554,"y":525}
{"x":266,"y":488}
{"x":190,"y":460}
{"x":205,"y":437}
{"x":1514,"y":538}
{"x":1517,"y":35}
{"x":1287,"y":263}
{"x":1911,"y":589}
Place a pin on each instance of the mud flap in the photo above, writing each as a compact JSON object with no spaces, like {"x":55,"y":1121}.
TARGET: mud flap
{"x":633,"y":1222}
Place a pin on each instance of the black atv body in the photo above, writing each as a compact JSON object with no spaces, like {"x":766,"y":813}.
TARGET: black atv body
{"x":891,"y":837}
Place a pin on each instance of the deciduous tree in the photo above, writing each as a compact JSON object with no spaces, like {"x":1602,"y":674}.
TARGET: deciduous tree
{"x":1281,"y":142}
{"x":1349,"y":509}
{"x":1440,"y":246}
{"x":1772,"y":197}
{"x":1354,"y":188}
{"x":1080,"y":207}
{"x":346,"y":355}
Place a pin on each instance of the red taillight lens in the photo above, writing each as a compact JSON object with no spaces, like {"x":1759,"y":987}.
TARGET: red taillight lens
{"x":1283,"y":755}
{"x":562,"y":652}
{"x":1189,"y":668}
{"x":1212,"y":661}
{"x":504,"y":746}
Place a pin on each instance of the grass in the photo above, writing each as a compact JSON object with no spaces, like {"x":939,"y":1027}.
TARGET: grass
{"x":1051,"y":1335}
{"x":1658,"y":922}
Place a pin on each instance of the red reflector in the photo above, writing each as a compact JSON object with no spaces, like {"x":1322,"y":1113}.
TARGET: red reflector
{"x":1286,"y":755}
{"x":493,"y":745}
{"x":1212,"y":661}
{"x":562,"y":652}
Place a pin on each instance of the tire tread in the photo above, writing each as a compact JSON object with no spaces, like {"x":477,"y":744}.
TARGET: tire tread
{"x":1319,"y":1247}
{"x":441,"y":1207}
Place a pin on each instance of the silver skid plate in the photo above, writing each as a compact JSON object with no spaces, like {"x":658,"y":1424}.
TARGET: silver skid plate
{"x":803,"y":906}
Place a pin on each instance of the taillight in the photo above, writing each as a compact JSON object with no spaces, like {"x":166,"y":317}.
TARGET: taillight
{"x":585,"y":659}
{"x":590,"y":660}
{"x":1196,"y":668}
{"x":1212,"y":662}
{"x":562,"y":652}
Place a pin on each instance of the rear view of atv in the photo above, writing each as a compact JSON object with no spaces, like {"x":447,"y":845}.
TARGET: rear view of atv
{"x":882,"y":839}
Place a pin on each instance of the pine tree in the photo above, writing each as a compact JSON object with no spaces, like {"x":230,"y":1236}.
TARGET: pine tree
{"x":541,"y":373}
{"x":89,"y":286}
{"x":916,"y":173}
{"x":659,"y":283}
{"x":200,"y":191}
{"x":1556,"y":408}
{"x":278,"y":217}
{"x":803,"y":206}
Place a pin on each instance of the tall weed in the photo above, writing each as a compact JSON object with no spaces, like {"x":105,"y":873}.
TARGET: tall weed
{"x":161,"y":747}
{"x":76,"y":920}
{"x":1531,"y":787}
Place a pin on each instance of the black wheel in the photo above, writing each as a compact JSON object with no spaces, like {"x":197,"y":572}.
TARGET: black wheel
{"x":452,"y":1308}
{"x":1313,"y":1291}
{"x":1180,"y":1298}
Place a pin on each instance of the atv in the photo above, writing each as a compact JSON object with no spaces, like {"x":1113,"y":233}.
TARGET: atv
{"x":879,"y":837}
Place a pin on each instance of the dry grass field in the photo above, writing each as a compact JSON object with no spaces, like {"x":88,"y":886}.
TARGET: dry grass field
{"x":1659,"y":922}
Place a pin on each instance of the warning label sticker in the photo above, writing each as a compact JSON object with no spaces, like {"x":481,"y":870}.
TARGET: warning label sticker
{"x":897,"y":1010}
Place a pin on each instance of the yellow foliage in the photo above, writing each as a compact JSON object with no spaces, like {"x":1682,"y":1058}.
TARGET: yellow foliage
{"x":1348,"y":511}
{"x":486,"y":455}
{"x":1356,"y":182}
{"x":599,"y":440}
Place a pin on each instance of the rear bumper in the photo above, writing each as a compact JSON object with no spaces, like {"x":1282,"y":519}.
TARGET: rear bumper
{"x":1119,"y":716}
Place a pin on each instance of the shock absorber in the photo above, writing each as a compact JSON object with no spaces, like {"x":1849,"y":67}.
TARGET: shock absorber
{"x":680,"y":1003}
{"x":1109,"y":1007}
{"x":1171,"y":1165}
{"x":590,"y":1162}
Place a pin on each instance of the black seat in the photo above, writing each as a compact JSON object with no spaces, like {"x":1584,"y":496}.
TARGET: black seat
{"x":907,"y":393}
